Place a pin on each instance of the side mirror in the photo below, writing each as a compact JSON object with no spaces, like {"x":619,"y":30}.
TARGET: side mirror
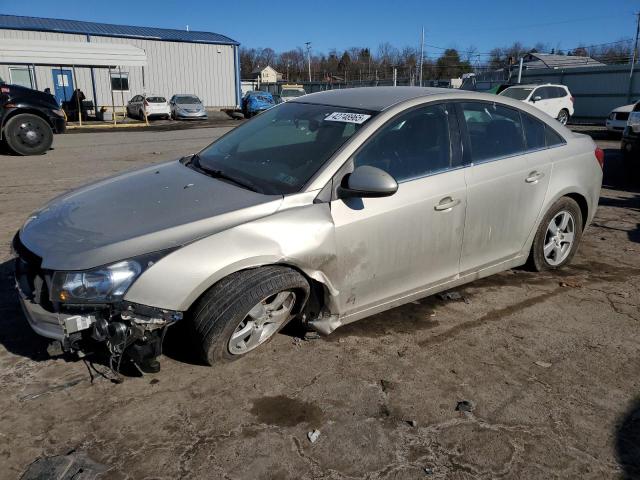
{"x":537,"y":98}
{"x":367,"y":182}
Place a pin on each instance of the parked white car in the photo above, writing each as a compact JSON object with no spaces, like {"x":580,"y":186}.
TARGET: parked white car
{"x":291,"y":92}
{"x":618,"y":117}
{"x":554,"y":100}
{"x":153,"y":105}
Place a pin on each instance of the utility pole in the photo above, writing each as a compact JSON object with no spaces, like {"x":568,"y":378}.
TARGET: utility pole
{"x":308,"y":44}
{"x":421,"y":54}
{"x":633,"y":61}
{"x":520,"y":70}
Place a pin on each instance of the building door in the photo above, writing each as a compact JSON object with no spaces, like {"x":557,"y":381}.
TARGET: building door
{"x":62,"y":84}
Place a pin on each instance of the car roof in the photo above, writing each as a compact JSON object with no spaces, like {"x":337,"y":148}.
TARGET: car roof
{"x":534,"y":85}
{"x":370,"y":98}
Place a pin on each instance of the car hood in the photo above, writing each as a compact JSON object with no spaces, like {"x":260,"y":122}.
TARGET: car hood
{"x":625,"y":108}
{"x":189,"y":106}
{"x":138,"y":212}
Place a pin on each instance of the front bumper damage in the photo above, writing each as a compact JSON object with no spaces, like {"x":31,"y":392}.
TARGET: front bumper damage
{"x":125,"y":328}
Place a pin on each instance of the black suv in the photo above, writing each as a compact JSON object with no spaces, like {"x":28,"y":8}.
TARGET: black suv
{"x":631,"y":139}
{"x":28,"y":119}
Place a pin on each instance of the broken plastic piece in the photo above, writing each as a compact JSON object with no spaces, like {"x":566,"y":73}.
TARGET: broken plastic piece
{"x":313,"y":436}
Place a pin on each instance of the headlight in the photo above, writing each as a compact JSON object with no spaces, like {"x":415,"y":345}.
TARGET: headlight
{"x":60,"y":113}
{"x":634,"y":122}
{"x":100,"y":285}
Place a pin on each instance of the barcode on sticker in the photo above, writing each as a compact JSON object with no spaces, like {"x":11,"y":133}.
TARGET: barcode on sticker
{"x":348,"y":117}
{"x":83,"y":323}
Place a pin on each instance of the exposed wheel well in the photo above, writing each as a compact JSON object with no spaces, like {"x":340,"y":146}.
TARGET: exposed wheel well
{"x":582,"y":203}
{"x":314,"y":301}
{"x":32,"y":111}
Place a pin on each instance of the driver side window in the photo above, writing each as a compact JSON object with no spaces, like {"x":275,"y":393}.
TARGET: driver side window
{"x":412,"y":145}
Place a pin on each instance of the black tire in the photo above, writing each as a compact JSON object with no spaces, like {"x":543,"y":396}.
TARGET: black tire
{"x":215,"y":316}
{"x":537,"y":260}
{"x":28,"y":134}
{"x":627,"y":155}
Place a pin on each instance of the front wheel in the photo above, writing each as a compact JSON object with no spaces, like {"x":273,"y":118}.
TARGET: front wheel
{"x":27,"y":134}
{"x":245,"y":310}
{"x":558,"y":236}
{"x":563,"y":116}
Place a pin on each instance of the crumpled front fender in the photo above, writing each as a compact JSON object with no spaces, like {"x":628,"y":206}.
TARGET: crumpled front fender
{"x":302,"y":237}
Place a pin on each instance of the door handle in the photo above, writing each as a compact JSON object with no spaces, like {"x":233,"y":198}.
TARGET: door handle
{"x":534,"y":177}
{"x":446,"y":204}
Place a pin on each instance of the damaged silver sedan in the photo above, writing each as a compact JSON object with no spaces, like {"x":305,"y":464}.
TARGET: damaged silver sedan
{"x":329,"y":208}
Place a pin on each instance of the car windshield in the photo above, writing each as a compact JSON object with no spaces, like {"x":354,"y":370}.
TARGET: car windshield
{"x":187,"y":100}
{"x":292,"y":93}
{"x":517,"y":93}
{"x":156,"y":100}
{"x":282,"y":148}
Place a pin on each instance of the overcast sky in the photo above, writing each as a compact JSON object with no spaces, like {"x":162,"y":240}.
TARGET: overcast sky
{"x":341,"y":24}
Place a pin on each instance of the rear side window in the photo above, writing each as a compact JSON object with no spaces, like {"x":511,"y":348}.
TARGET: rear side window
{"x":560,"y":92}
{"x":534,"y":132}
{"x":494,"y":131}
{"x":552,"y":138}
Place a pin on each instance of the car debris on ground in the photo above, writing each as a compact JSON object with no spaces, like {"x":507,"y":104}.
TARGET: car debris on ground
{"x":313,"y":436}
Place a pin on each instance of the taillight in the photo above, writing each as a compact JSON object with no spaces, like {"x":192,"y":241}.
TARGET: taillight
{"x":573,"y":100}
{"x":600,"y":156}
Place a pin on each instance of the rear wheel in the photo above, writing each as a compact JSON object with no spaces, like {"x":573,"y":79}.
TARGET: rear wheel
{"x":558,"y":236}
{"x":27,"y":134}
{"x":245,"y":310}
{"x":563,"y":116}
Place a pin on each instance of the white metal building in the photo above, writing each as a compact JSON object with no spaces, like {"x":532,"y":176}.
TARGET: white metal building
{"x":112,"y":63}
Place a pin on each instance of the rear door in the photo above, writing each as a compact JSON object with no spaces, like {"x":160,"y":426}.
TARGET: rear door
{"x":547,"y":103}
{"x":505,"y":185}
{"x":391,"y":247}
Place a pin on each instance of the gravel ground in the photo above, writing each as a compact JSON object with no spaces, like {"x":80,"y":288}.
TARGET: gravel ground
{"x":546,"y":363}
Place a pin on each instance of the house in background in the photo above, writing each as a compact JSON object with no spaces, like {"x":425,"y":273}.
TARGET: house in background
{"x":266,"y":75}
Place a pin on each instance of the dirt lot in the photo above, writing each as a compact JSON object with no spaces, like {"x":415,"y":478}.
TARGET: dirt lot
{"x":549,"y":364}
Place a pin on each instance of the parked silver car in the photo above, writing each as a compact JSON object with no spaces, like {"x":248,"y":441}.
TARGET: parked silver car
{"x":330,"y":209}
{"x":187,"y":107}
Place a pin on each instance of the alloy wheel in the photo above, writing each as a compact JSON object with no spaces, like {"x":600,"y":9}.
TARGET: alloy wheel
{"x":563,"y":117}
{"x":262,"y":322}
{"x":559,"y":238}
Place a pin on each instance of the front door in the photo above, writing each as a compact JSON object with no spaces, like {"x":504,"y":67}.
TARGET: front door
{"x":62,"y":84}
{"x":391,"y":247}
{"x":505,"y":185}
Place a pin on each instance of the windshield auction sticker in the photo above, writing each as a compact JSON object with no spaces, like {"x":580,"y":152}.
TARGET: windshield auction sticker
{"x":347,"y":117}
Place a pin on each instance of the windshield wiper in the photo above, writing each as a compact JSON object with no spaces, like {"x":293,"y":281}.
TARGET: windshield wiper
{"x":217,"y":173}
